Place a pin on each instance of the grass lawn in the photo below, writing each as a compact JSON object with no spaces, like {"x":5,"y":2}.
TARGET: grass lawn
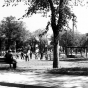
{"x":79,"y":67}
{"x":66,"y":66}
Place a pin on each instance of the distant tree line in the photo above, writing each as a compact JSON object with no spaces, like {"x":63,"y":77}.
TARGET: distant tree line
{"x":14,"y":36}
{"x":69,"y":38}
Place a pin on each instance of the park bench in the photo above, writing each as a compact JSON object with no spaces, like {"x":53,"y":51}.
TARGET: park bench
{"x":3,"y":61}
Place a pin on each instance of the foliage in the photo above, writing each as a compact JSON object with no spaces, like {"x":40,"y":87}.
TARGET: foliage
{"x":36,"y":39}
{"x":70,"y":38}
{"x":83,"y":41}
{"x":13,"y":31}
{"x":67,"y":39}
{"x":43,"y":43}
{"x":59,"y":9}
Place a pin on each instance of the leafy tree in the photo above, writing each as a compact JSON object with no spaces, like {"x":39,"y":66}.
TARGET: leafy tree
{"x":67,"y":39}
{"x":83,"y":41}
{"x":41,"y":41}
{"x":60,"y":12}
{"x":71,"y":38}
{"x":32,"y":42}
{"x":43,"y":44}
{"x":13,"y":30}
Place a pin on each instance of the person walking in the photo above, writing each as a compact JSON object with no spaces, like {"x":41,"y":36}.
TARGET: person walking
{"x":30,"y":54}
{"x":22,"y":55}
{"x":36,"y":53}
{"x":26,"y":57}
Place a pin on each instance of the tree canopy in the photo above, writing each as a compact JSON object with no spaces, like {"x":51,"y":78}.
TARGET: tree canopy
{"x":12,"y":30}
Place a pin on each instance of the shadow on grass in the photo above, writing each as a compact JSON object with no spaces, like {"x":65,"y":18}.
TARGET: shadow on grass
{"x":21,"y":70}
{"x":21,"y":85}
{"x":5,"y":68}
{"x":8,"y":69}
{"x":70,"y":71}
{"x":62,"y":71}
{"x":74,"y":59}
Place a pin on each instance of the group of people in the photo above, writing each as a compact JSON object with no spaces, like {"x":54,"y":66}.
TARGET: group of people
{"x":26,"y":56}
{"x":29,"y":54}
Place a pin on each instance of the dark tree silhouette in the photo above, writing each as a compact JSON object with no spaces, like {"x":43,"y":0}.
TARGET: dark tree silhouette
{"x":13,"y":30}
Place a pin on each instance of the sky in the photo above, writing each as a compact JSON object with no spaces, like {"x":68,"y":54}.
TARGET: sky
{"x":38,"y":22}
{"x":82,"y":19}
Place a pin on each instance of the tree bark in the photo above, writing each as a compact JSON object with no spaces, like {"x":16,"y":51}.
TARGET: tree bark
{"x":56,"y":27}
{"x":55,"y":34}
{"x":56,"y":51}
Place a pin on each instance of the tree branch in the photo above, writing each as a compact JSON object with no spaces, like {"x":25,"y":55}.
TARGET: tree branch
{"x":60,"y":14}
{"x":53,"y":19}
{"x":47,"y":28}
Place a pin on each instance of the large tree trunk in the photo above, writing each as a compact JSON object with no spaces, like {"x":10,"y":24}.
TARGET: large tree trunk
{"x":56,"y":51}
{"x":56,"y":28}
